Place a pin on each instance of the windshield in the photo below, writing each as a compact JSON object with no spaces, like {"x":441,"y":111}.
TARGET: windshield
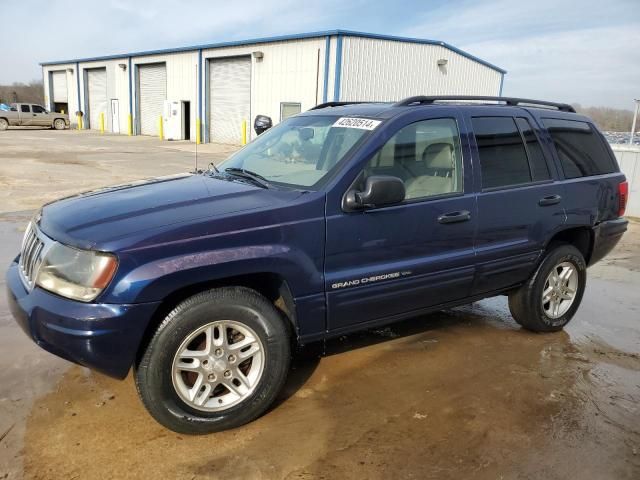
{"x":301,"y":151}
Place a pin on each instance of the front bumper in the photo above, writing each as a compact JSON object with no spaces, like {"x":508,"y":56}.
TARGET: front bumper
{"x":104,"y":337}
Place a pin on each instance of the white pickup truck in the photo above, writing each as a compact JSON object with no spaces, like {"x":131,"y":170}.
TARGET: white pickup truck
{"x":32,"y":115}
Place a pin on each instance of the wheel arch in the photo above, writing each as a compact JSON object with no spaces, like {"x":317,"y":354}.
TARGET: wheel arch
{"x":580,"y":237}
{"x":271,"y":285}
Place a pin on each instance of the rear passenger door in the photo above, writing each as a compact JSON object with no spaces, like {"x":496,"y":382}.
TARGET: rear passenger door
{"x":26,"y":117}
{"x":520,"y":201}
{"x":394,"y":260}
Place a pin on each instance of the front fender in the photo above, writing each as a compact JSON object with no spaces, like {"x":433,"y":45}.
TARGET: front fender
{"x":155,"y":280}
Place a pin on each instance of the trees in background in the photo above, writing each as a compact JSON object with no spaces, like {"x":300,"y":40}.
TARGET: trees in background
{"x":608,"y":119}
{"x":31,"y":92}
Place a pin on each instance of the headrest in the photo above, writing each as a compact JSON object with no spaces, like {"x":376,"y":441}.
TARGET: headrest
{"x":438,"y":155}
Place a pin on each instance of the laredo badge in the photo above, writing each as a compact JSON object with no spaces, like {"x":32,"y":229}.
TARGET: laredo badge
{"x":361,"y":123}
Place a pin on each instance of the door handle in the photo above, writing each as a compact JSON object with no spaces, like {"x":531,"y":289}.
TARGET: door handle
{"x":549,"y":200}
{"x":455,"y":217}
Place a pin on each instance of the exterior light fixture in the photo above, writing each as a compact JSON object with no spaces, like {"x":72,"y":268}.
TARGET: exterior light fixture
{"x":70,"y":70}
{"x":123,"y":66}
{"x":442,"y":62}
{"x":258,"y":56}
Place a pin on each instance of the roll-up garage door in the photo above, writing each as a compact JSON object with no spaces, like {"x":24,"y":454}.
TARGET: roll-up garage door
{"x":97,"y":92}
{"x":59,"y":86}
{"x":152,"y":92}
{"x":230,"y":98}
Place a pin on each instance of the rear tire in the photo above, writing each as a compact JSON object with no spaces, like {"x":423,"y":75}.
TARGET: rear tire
{"x":197,"y":374}
{"x":59,"y":124}
{"x":4,"y":124}
{"x":550,"y":298}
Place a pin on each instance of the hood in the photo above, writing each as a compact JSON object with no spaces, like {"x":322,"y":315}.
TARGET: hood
{"x":92,"y":219}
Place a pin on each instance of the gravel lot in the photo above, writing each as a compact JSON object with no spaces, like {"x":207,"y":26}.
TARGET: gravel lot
{"x":463,"y":393}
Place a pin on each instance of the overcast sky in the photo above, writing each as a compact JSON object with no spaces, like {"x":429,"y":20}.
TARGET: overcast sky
{"x":585,"y":51}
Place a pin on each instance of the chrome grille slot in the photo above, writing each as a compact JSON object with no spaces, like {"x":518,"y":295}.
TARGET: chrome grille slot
{"x":33,"y":247}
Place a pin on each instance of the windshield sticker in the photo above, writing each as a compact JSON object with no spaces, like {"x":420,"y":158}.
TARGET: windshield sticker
{"x":361,"y":123}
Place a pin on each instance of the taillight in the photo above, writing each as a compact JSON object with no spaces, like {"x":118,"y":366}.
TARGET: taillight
{"x":623,"y":196}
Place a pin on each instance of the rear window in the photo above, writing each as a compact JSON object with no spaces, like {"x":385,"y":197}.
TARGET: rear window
{"x":581,"y":150}
{"x":25,"y":108}
{"x":539,"y":168}
{"x":503,"y":158}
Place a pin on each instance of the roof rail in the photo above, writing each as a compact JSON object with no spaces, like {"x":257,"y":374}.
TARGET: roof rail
{"x":334,"y":104}
{"x":428,"y":100}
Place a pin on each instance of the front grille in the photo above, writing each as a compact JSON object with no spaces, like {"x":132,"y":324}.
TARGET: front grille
{"x":31,"y":255}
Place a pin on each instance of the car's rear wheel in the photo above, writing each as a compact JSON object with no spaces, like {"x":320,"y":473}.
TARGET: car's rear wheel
{"x":550,"y":298}
{"x":59,"y":124}
{"x":217,"y":361}
{"x":4,"y":124}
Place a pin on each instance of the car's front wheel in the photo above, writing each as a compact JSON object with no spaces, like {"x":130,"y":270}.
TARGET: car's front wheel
{"x":217,"y":361}
{"x":550,"y":298}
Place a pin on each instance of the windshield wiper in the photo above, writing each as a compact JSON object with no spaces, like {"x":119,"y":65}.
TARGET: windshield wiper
{"x":248,"y":174}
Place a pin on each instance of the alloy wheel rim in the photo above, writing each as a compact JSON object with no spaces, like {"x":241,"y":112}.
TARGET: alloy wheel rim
{"x":218,"y":366}
{"x":560,"y":289}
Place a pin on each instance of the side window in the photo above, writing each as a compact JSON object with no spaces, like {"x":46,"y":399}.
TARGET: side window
{"x":580,"y":148}
{"x":503,"y":159}
{"x":25,"y":108}
{"x":425,"y":155}
{"x":539,"y":167}
{"x":38,"y":109}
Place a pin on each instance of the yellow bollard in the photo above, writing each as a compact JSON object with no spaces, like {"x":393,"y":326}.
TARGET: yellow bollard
{"x":130,"y":124}
{"x":244,"y":132}
{"x":79,"y":117}
{"x":198,"y":139}
{"x":62,"y":111}
{"x":160,"y":128}
{"x":101,"y":123}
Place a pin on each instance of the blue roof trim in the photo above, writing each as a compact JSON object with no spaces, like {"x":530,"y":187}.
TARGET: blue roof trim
{"x":281,"y":38}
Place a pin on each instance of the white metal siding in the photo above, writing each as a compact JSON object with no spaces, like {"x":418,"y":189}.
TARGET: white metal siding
{"x":59,"y":87}
{"x":629,"y":160}
{"x":387,"y":70}
{"x":152,"y":88}
{"x":97,"y":91}
{"x":230,"y":99}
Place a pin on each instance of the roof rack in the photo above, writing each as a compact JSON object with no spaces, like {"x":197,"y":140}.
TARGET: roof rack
{"x":428,"y":100}
{"x":334,"y":104}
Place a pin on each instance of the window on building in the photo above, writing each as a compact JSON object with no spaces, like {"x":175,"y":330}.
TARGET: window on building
{"x":425,"y":155}
{"x":539,"y":167}
{"x":289,"y":109}
{"x":581,"y":150}
{"x":503,"y":158}
{"x":25,"y":108}
{"x":38,"y":109}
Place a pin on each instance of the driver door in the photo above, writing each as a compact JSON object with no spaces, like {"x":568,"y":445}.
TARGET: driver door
{"x":395,"y":260}
{"x":40,"y":116}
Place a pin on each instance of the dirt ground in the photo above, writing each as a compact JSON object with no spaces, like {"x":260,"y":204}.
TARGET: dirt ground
{"x":463,"y":393}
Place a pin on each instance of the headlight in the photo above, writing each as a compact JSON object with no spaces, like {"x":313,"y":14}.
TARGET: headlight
{"x":76,"y":274}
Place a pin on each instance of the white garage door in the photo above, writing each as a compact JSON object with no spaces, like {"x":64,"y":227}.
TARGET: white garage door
{"x":97,"y":92}
{"x":59,"y":86}
{"x":230,"y":99}
{"x":152,"y":92}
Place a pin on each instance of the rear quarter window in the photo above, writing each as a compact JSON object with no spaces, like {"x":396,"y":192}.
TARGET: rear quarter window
{"x":581,"y":150}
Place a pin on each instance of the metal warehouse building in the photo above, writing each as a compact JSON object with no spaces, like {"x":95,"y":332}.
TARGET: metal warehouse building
{"x":215,"y":91}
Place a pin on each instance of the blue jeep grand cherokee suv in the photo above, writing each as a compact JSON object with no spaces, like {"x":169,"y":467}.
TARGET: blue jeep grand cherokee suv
{"x":340,"y":218}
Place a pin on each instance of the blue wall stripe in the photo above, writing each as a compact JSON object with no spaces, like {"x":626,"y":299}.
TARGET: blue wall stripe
{"x":336,"y":85}
{"x":501,"y":84}
{"x":80,"y":109}
{"x":327,"y":51}
{"x":199,"y":84}
{"x":327,"y":33}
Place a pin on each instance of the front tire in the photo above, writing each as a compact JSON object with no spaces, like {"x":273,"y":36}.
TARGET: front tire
{"x":217,"y":361}
{"x":550,"y":298}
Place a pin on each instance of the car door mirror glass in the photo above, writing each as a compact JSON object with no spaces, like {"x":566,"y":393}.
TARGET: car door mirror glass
{"x":379,"y":190}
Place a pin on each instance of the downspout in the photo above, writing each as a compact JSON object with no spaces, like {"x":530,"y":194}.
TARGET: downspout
{"x":336,"y":85}
{"x":130,"y":116}
{"x":327,"y":48}
{"x":80,"y":110}
{"x":199,"y":85}
{"x":501,"y":84}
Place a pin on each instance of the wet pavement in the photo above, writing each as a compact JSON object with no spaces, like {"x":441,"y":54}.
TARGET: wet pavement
{"x":463,"y":393}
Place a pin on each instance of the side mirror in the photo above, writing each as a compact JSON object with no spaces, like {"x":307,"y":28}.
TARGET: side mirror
{"x":262,"y":123}
{"x":379,"y":190}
